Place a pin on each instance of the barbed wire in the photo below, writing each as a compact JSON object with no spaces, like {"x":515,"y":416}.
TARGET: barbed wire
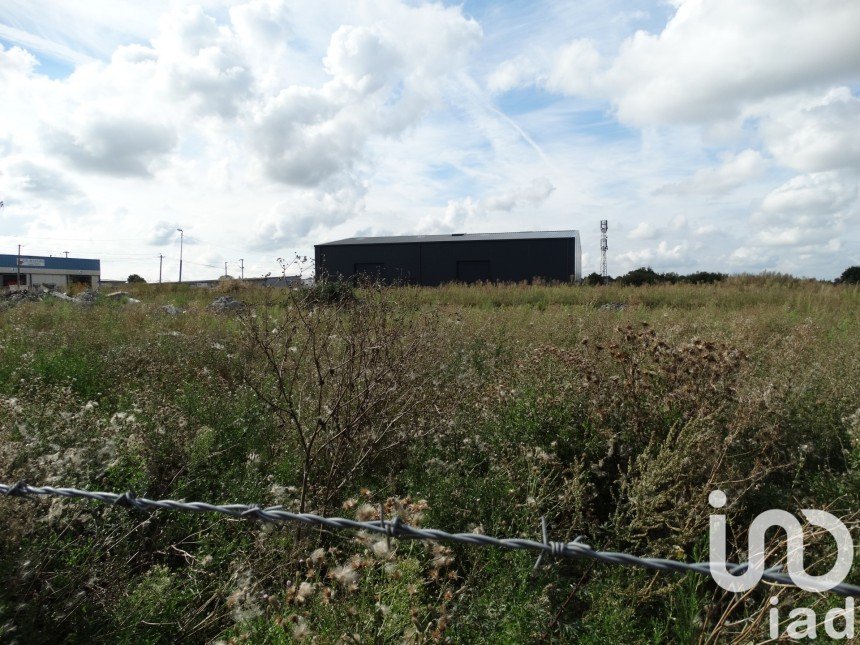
{"x":398,"y":529}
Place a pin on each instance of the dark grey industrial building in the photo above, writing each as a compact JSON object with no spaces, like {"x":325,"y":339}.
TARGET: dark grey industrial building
{"x":461,"y":257}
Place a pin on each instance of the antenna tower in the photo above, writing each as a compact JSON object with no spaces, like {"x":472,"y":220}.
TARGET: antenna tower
{"x":604,"y":247}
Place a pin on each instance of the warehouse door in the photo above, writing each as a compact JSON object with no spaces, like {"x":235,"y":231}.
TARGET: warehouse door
{"x":473,"y":270}
{"x":10,"y":279}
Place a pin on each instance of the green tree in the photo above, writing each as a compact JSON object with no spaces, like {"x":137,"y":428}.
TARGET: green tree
{"x":704,"y":277}
{"x":851,"y":275}
{"x":593,"y":279}
{"x":134,"y":278}
{"x":640,"y":276}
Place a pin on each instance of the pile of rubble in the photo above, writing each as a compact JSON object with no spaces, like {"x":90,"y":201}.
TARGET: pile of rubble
{"x":225,"y":304}
{"x":16,"y":297}
{"x":222,"y":304}
{"x":13,"y":298}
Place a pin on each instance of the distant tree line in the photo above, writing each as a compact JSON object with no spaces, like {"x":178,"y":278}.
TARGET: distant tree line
{"x":647,"y":275}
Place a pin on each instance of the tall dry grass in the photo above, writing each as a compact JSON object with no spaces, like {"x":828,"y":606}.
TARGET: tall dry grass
{"x":506,"y":404}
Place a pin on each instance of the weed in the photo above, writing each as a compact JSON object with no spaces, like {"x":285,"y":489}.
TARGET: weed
{"x":468,"y":408}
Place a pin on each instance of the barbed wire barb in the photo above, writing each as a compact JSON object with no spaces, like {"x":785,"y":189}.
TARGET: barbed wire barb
{"x":398,"y":529}
{"x":545,"y":541}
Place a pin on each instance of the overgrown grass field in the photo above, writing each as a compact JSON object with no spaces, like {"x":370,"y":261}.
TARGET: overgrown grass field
{"x":610,"y":411}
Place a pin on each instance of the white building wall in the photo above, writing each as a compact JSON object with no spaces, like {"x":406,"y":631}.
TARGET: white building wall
{"x":56,"y":279}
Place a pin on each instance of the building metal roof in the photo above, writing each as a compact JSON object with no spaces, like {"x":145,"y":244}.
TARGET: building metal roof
{"x":453,"y":237}
{"x":48,"y":262}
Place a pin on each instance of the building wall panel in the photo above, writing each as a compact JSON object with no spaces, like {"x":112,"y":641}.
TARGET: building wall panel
{"x":438,"y":262}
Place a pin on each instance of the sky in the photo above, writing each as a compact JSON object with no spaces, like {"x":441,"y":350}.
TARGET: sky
{"x":718,"y":135}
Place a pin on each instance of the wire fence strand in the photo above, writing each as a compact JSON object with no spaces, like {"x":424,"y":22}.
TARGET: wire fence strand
{"x":397,"y":529}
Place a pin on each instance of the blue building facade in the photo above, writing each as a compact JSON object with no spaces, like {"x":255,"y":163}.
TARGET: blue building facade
{"x":51,"y":272}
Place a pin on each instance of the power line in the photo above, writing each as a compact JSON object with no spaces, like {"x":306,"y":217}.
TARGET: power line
{"x":397,"y":529}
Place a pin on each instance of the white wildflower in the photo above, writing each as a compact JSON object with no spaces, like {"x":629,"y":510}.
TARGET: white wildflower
{"x":366,"y":512}
{"x":301,"y":630}
{"x":380,"y":548}
{"x":306,"y":590}
{"x":345,"y":575}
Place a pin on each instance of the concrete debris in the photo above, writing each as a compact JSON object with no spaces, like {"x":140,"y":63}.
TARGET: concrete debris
{"x":85,"y":298}
{"x":122,"y":295}
{"x":224,"y":304}
{"x":171,"y":310}
{"x":13,"y":298}
{"x":613,"y":306}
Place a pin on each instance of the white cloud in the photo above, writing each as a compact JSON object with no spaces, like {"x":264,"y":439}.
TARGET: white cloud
{"x":820,"y":134}
{"x":15,"y":64}
{"x":36,"y":43}
{"x":706,"y":229}
{"x":733,"y":172}
{"x":164,"y":232}
{"x":457,"y":214}
{"x":78,"y":31}
{"x":753,"y":259}
{"x":114,"y":145}
{"x":475,"y":213}
{"x":714,"y":58}
{"x":669,"y":255}
{"x":515,"y":73}
{"x":383,"y":79}
{"x":362,"y":58}
{"x":807,"y":210}
{"x":529,"y":195}
{"x":307,"y":211}
{"x":41,"y":182}
{"x":201,"y":62}
{"x":643,"y":231}
{"x":302,"y":137}
{"x":826,"y":192}
{"x":678,"y":223}
{"x":575,"y":69}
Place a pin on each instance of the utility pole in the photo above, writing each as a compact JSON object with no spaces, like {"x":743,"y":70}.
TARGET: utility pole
{"x":242,"y":268}
{"x":18,"y":284}
{"x":181,"y":237}
{"x":67,"y":253}
{"x":225,"y":269}
{"x":604,"y":247}
{"x":160,"y":260}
